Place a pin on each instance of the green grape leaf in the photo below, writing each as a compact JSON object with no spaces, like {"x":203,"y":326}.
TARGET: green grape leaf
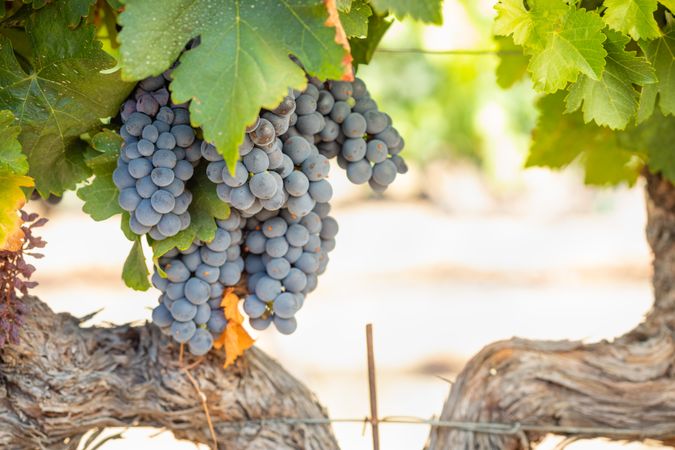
{"x":655,"y":137}
{"x":100,"y":195}
{"x":559,"y":139}
{"x":609,"y":165}
{"x":62,"y":96}
{"x":116,"y":4}
{"x":513,"y":20}
{"x":612,"y":100}
{"x":428,"y":11}
{"x":75,"y":10}
{"x":632,"y":17}
{"x":241,"y":63}
{"x":124,"y":226}
{"x":670,"y":4}
{"x":647,"y":102}
{"x":135,"y":271}
{"x":563,"y":50}
{"x":355,"y":21}
{"x":204,"y":209}
{"x":661,"y":53}
{"x":107,"y":142}
{"x":512,"y":62}
{"x":344,"y":5}
{"x":364,"y":49}
{"x":12,"y":159}
{"x":563,"y":41}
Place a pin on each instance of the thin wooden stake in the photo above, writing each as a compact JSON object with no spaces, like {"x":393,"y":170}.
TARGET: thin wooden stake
{"x":372,"y":385}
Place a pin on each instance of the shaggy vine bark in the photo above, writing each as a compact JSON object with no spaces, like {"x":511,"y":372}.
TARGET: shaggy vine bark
{"x":625,"y":384}
{"x":63,"y":380}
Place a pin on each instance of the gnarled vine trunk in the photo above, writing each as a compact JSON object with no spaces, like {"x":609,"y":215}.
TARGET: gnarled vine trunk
{"x":625,"y":384}
{"x":63,"y":380}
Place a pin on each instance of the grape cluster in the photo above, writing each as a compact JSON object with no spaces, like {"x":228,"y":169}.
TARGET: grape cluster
{"x":190,"y":305}
{"x":271,"y":174}
{"x":279,"y":233}
{"x":343,"y":121}
{"x":158,"y":157}
{"x":285,"y":255}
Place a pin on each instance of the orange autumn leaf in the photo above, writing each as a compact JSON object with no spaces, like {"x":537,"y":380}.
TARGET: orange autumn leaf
{"x":14,"y":242}
{"x":234,"y":339}
{"x":12,"y":199}
{"x":341,"y":38}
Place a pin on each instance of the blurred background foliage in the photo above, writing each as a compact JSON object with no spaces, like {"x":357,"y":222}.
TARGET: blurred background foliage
{"x":450,"y":106}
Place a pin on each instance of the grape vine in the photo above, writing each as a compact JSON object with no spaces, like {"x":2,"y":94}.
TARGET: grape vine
{"x":279,"y":233}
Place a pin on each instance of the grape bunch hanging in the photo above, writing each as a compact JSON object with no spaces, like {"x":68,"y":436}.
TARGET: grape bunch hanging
{"x":277,"y":239}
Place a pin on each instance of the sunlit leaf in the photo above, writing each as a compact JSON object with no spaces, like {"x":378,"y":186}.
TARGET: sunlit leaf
{"x":612,"y":100}
{"x":252,"y":41}
{"x":632,"y":17}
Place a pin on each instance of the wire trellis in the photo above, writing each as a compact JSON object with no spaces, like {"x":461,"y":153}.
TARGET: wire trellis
{"x":516,"y":429}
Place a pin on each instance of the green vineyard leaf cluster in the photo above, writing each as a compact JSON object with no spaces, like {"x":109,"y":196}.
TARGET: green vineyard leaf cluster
{"x":606,"y":73}
{"x":52,"y":81}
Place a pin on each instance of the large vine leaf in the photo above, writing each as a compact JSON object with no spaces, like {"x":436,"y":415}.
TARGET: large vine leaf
{"x":100,"y":196}
{"x":612,"y":100}
{"x":423,"y":10}
{"x":13,"y":167}
{"x":242,"y":61}
{"x":563,"y":40}
{"x":632,"y":17}
{"x":661,"y":53}
{"x":60,"y":97}
{"x":559,"y":139}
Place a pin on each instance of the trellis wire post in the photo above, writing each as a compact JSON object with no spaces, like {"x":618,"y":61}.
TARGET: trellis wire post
{"x":372,"y":386}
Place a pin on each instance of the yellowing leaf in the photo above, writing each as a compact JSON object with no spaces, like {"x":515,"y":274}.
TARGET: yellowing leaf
{"x":235,"y":339}
{"x":11,"y":199}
